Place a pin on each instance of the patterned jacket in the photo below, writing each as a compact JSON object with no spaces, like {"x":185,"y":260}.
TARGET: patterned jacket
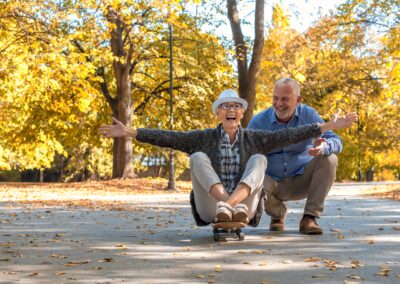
{"x":251,"y":142}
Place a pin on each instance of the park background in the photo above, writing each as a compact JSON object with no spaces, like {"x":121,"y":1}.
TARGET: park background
{"x":68,"y":66}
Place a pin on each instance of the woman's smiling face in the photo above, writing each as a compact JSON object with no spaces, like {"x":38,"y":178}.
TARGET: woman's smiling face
{"x":230,"y":114}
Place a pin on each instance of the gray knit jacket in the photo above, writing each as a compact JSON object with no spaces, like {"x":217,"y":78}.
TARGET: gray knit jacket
{"x":251,"y":142}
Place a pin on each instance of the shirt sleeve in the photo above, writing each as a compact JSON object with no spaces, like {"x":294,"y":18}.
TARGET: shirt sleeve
{"x":333,"y":143}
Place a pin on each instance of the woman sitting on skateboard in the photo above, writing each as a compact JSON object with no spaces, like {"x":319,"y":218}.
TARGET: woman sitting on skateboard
{"x":226,"y":163}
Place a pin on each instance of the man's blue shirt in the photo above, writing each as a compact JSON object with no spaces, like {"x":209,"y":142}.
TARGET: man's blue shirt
{"x":290,"y":160}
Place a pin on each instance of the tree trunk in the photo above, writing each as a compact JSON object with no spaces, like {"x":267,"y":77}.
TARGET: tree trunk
{"x":41,"y":175}
{"x":123,"y":146}
{"x":61,"y":169}
{"x":247,"y":75}
{"x":121,"y":105}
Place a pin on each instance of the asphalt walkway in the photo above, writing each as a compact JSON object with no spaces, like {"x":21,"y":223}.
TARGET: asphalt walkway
{"x":158,"y":243}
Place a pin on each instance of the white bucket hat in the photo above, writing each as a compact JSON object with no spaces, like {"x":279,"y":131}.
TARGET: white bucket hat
{"x":228,"y":96}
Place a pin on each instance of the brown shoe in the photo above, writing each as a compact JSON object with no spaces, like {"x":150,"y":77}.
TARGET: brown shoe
{"x":277,"y":225}
{"x":309,"y":226}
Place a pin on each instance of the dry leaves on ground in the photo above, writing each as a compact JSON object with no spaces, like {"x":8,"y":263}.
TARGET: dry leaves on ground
{"x":106,"y":195}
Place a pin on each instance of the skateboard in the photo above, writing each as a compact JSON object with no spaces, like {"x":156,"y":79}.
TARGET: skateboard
{"x":228,"y":227}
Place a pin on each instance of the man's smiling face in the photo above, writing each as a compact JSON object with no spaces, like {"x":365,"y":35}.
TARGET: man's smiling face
{"x":284,"y":102}
{"x":230,"y":114}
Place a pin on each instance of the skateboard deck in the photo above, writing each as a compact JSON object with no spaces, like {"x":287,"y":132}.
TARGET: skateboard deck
{"x":228,"y":227}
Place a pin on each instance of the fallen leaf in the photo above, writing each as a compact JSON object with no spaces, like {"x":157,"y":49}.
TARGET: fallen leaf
{"x":10,"y":272}
{"x":246,"y":262}
{"x":77,"y":262}
{"x":350,"y":282}
{"x":355,"y":263}
{"x":59,"y":273}
{"x":259,"y":251}
{"x":287,"y":261}
{"x":105,"y":260}
{"x":7,"y":244}
{"x":34,"y":274}
{"x":218,"y":268}
{"x":319,"y":276}
{"x":312,"y":259}
{"x":201,"y":276}
{"x":54,"y":255}
{"x":353,"y":277}
{"x":264,"y":263}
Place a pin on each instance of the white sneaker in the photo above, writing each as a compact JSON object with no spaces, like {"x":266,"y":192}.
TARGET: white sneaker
{"x":240,"y":214}
{"x":224,"y":212}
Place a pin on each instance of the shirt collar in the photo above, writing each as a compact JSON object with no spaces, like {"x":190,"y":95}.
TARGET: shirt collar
{"x":223,"y":133}
{"x":276,"y":121}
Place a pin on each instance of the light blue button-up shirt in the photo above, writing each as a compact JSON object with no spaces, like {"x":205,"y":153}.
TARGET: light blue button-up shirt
{"x":290,"y":161}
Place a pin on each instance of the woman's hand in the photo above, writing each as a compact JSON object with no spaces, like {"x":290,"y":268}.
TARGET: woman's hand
{"x":345,"y":121}
{"x":339,"y":122}
{"x":116,"y":130}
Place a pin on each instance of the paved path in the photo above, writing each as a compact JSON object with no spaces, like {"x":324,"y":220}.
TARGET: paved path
{"x":158,"y":243}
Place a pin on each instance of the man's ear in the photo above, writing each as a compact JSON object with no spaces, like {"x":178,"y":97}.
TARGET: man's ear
{"x":298,"y":99}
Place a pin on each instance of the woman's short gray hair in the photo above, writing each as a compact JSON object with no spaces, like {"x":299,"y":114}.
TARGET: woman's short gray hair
{"x":288,"y":81}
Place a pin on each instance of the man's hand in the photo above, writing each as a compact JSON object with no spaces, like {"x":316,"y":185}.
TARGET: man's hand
{"x":116,"y":130}
{"x":317,"y":148}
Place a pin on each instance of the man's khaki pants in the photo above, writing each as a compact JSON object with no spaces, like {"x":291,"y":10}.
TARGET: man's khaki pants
{"x":204,"y":176}
{"x":314,"y":184}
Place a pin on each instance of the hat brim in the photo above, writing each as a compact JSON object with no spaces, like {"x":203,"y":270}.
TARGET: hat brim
{"x":221,"y":101}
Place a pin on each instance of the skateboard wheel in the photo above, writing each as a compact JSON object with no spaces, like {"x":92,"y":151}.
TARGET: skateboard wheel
{"x":216,"y":235}
{"x":240,"y":234}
